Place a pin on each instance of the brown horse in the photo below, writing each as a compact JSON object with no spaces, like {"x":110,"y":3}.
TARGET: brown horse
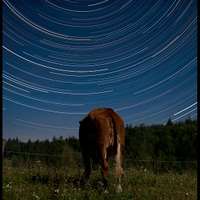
{"x":102,"y":132}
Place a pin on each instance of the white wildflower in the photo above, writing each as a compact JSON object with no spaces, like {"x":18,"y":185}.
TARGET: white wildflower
{"x":100,"y":183}
{"x":35,"y":195}
{"x":57,"y":191}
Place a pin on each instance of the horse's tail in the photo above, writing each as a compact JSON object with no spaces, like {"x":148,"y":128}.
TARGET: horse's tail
{"x":119,"y":137}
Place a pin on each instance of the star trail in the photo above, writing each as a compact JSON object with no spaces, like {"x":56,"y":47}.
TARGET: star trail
{"x":61,"y":59}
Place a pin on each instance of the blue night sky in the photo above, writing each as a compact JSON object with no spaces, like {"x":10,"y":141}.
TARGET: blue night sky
{"x":61,"y":59}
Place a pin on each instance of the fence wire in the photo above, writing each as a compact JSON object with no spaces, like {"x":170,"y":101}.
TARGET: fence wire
{"x":126,"y":160}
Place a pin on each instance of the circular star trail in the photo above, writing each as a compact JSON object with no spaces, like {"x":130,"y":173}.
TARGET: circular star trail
{"x":61,"y":59}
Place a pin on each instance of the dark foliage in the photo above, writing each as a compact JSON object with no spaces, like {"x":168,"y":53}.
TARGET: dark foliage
{"x":162,"y":142}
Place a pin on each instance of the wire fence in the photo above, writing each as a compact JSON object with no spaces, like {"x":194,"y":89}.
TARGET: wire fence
{"x":71,"y":160}
{"x":127,"y":160}
{"x":160,"y":165}
{"x":38,"y":154}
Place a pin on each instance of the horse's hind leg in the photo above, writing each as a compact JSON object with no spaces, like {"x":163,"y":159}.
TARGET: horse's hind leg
{"x":104,"y":167}
{"x":86,"y":159}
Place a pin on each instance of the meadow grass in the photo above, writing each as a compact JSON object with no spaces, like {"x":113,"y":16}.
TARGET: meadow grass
{"x":44,"y":182}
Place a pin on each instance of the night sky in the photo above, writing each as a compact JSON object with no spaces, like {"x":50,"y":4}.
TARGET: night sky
{"x":61,"y":59}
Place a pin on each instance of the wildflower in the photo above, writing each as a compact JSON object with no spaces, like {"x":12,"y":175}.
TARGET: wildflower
{"x":100,"y":183}
{"x":8,"y":186}
{"x":57,"y":191}
{"x":35,"y":195}
{"x":186,"y":194}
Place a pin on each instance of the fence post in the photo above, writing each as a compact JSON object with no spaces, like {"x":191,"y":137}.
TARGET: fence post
{"x":3,"y":145}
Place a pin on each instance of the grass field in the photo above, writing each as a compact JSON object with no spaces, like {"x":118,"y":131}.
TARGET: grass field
{"x":42,"y":182}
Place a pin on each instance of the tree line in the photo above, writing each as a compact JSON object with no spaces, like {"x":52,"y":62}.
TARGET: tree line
{"x":169,"y":142}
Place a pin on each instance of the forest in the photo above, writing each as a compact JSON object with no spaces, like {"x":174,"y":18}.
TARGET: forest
{"x":170,"y":145}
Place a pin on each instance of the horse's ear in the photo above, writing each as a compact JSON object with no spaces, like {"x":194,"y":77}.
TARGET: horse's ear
{"x":80,"y":122}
